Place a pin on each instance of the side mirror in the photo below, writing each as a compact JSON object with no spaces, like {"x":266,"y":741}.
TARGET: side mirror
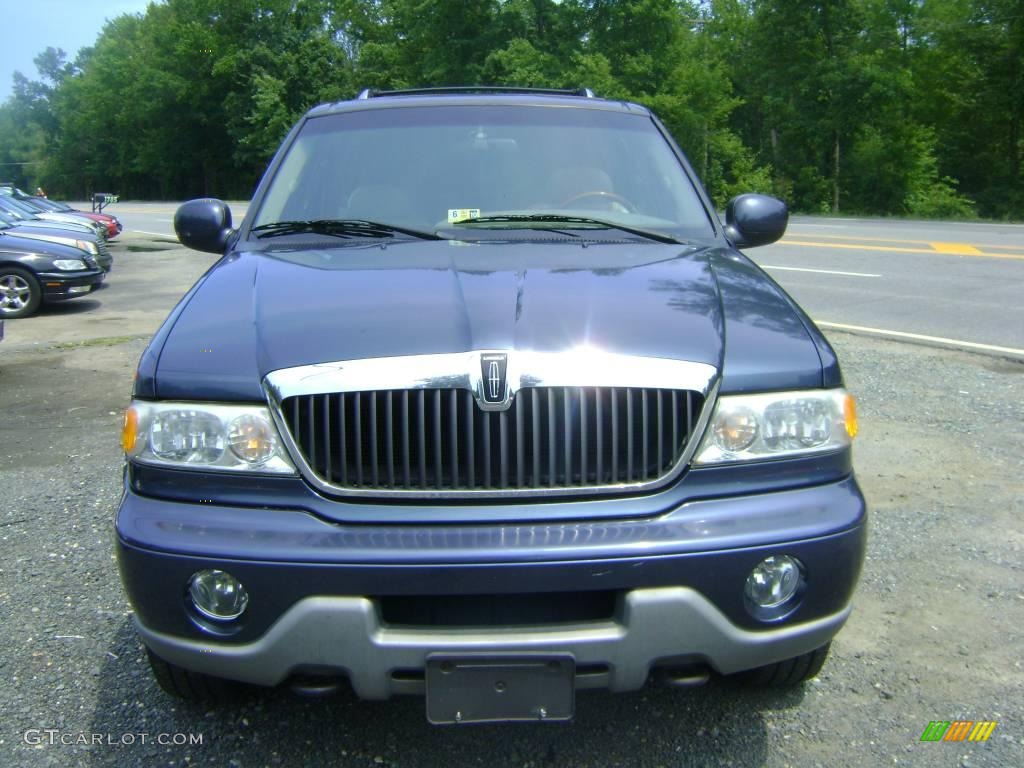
{"x":204,"y":224}
{"x":752,"y":220}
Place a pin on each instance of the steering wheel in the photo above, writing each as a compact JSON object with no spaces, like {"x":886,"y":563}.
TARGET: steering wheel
{"x":611,"y":197}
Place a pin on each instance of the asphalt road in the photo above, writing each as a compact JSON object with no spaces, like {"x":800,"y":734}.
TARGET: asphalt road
{"x":957,"y":284}
{"x":935,"y":635}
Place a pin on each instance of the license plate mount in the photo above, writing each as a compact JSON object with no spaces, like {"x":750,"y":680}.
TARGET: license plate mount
{"x":494,"y":689}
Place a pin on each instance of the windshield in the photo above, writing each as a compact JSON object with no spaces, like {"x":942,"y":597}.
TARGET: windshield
{"x":16,"y":209}
{"x":31,"y":205}
{"x":448,"y":166}
{"x":49,"y":205}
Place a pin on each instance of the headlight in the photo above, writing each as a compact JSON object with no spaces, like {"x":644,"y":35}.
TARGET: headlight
{"x":204,"y":436}
{"x":88,"y":246}
{"x":749,"y":427}
{"x":68,"y":265}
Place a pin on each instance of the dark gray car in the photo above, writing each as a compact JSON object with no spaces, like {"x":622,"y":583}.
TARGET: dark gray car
{"x":53,"y":232}
{"x":33,"y":272}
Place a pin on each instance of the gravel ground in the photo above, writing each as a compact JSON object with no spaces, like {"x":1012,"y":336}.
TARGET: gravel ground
{"x":936,"y":633}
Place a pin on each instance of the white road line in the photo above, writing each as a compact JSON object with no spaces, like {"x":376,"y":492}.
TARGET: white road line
{"x":823,"y":226}
{"x":158,"y":234}
{"x":919,"y":337}
{"x":820,"y":271}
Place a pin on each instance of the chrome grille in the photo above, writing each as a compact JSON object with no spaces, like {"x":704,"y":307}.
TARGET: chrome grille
{"x":439,"y":439}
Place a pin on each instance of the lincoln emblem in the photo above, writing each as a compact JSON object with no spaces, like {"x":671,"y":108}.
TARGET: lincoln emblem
{"x":493,"y":380}
{"x":493,"y":368}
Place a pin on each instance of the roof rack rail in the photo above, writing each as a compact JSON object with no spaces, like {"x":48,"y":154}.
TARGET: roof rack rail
{"x":370,"y":93}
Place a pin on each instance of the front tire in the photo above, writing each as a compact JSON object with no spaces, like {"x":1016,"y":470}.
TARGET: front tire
{"x":786,"y":673}
{"x":194,"y":687}
{"x":20,"y":293}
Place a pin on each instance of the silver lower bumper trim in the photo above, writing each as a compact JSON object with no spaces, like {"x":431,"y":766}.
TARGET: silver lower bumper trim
{"x":346,"y":634}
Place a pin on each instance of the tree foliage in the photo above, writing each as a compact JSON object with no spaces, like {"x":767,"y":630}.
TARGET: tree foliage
{"x":909,"y":107}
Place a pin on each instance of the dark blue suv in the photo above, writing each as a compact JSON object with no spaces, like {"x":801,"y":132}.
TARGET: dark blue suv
{"x":482,"y":403}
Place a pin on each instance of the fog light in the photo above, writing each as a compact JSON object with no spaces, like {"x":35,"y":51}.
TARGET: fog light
{"x":773,"y":581}
{"x":218,"y":595}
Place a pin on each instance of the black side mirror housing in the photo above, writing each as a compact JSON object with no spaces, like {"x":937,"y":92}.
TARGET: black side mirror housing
{"x":204,"y":224}
{"x":752,"y":220}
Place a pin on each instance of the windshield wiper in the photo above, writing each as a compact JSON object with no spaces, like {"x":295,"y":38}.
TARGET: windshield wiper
{"x":555,"y":218}
{"x":340,"y":228}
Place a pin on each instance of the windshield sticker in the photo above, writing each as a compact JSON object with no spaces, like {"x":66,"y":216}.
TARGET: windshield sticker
{"x":456,"y":215}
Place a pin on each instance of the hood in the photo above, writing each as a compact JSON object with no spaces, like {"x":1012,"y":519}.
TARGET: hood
{"x":105,"y":218}
{"x":18,"y":245}
{"x":256,"y":312}
{"x":52,"y":235}
{"x":67,"y":218}
{"x":76,"y":229}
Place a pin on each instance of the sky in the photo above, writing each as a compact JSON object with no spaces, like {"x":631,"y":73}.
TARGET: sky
{"x":30,"y":26}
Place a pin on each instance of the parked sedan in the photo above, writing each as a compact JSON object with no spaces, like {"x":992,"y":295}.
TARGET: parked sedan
{"x":36,"y":271}
{"x":10,"y":203}
{"x":110,"y":222}
{"x":94,"y":245}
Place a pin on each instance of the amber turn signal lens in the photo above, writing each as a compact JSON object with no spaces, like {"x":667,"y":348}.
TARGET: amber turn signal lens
{"x":130,"y":430}
{"x":850,"y":415}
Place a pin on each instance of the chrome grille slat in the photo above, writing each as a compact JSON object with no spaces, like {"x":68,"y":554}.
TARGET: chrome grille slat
{"x":520,"y":450}
{"x":615,"y":437}
{"x":312,"y":431}
{"x":661,"y":427}
{"x":342,"y":443}
{"x":629,"y":434}
{"x":438,"y":456}
{"x":389,"y":437}
{"x":374,"y":464}
{"x":358,"y":441}
{"x":567,"y":438}
{"x":406,"y":471}
{"x":470,"y":441}
{"x":552,"y":454}
{"x":326,"y":426}
{"x":453,"y":435}
{"x":535,"y":413}
{"x":421,"y":435}
{"x":487,"y":449}
{"x":503,"y":448}
{"x":584,"y":447}
{"x":440,"y":440}
{"x":643,"y":434}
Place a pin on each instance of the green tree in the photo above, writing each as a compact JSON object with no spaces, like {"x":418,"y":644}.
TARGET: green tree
{"x":876,"y":106}
{"x":970,"y":86}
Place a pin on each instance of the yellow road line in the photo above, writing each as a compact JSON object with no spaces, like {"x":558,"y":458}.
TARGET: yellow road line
{"x":905,"y":241}
{"x":1000,"y":247}
{"x":860,"y":239}
{"x":957,"y":248}
{"x":894,"y":249}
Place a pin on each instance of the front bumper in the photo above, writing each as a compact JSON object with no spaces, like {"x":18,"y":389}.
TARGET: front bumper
{"x":345,"y":635}
{"x":317,"y":587}
{"x":58,"y":286}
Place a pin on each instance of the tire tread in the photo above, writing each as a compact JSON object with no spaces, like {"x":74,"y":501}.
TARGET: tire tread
{"x":191,"y":686}
{"x":788,"y":672}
